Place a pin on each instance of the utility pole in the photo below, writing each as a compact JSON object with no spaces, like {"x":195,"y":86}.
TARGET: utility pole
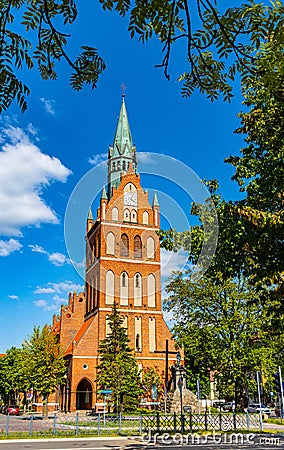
{"x":258,"y":379}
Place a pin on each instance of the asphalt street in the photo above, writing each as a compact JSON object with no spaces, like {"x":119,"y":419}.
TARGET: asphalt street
{"x":246,"y":442}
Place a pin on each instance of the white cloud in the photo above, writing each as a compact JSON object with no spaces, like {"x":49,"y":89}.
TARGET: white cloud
{"x":58,"y":259}
{"x":60,"y":294}
{"x":40,"y":303}
{"x":145,"y":157}
{"x":24,"y":172}
{"x":37,"y":248}
{"x":48,"y":105}
{"x":59,"y":288}
{"x":171,"y":261}
{"x":97,"y":159}
{"x":13,"y":297}
{"x":8,"y":247}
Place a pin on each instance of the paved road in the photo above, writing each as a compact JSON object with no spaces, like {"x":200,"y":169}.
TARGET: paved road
{"x":258,"y":442}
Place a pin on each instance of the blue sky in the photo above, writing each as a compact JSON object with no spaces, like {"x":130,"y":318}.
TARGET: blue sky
{"x":47,"y":150}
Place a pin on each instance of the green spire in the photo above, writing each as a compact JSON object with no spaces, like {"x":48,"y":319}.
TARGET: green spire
{"x":90,"y":214}
{"x":155,"y":200}
{"x":104,"y":194}
{"x":122,"y":153}
{"x":122,"y":143}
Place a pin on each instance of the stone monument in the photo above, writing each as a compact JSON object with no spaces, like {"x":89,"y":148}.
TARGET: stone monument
{"x":179,"y":396}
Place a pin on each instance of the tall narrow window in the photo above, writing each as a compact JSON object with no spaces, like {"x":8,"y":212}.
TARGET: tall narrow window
{"x":133,"y":216}
{"x":127,"y":215}
{"x":137,"y":290}
{"x":150,"y":247}
{"x":108,"y":329}
{"x":114,"y":214}
{"x":110,"y":244}
{"x":124,"y":246}
{"x":124,"y":289}
{"x":109,"y":287}
{"x":152,"y":334}
{"x":137,"y":247}
{"x":145,"y":218}
{"x":151,"y":291}
{"x":138,"y":334}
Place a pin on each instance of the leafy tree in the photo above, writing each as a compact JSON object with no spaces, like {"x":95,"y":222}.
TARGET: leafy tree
{"x":14,"y":374}
{"x":151,"y":378}
{"x":218,"y":42}
{"x":224,"y":326}
{"x":47,"y":365}
{"x":40,"y":18}
{"x":118,"y":369}
{"x":260,"y":168}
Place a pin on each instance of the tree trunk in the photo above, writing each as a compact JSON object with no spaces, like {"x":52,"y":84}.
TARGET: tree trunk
{"x":45,"y":406}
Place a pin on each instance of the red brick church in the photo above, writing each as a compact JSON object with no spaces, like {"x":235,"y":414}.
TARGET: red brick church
{"x":122,"y":266}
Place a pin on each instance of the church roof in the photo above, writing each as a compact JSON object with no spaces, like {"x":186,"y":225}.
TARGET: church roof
{"x":155,"y":200}
{"x":80,"y":333}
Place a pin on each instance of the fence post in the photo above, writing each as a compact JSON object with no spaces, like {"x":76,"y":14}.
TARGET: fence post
{"x":120,"y":421}
{"x":175,"y":422}
{"x":77,"y":423}
{"x":54,"y":423}
{"x":99,"y":423}
{"x":248,"y":420}
{"x":220,"y":421}
{"x":7,"y":425}
{"x":158,"y":422}
{"x":234,"y":421}
{"x":182,"y":423}
{"x":140,"y":423}
{"x":205,"y":421}
{"x":31,"y":424}
{"x":190,"y":422}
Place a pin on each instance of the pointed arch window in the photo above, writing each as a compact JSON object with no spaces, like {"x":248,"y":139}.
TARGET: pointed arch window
{"x":127,"y":215}
{"x":137,"y":247}
{"x":133,"y":216}
{"x":109,"y":287}
{"x":145,"y":218}
{"x":137,"y":290}
{"x":124,"y":246}
{"x":110,"y":243}
{"x":151,"y":291}
{"x":124,"y":289}
{"x":114,"y":213}
{"x":150,"y":247}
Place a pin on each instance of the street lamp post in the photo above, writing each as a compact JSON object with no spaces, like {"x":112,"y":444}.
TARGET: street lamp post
{"x":180,"y":386}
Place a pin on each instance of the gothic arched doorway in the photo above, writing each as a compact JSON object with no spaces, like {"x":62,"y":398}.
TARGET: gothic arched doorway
{"x":84,"y":395}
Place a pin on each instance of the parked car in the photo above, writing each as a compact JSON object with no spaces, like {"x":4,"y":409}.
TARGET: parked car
{"x":257,"y":407}
{"x":218,"y":403}
{"x":228,"y":407}
{"x":13,"y":410}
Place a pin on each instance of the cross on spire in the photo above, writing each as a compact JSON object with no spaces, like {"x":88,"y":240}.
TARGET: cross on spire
{"x":123,"y":89}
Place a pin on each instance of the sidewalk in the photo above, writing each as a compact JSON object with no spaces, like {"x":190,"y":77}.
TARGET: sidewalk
{"x":273,"y":426}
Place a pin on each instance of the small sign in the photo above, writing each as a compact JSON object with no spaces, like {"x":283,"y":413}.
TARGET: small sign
{"x":105,"y":391}
{"x":154,"y":392}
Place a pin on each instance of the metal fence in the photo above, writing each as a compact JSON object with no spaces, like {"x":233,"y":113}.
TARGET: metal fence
{"x":192,"y":423}
{"x":80,"y":424}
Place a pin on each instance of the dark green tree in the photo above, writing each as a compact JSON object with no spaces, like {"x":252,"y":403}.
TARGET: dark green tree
{"x":117,"y":369}
{"x":219,"y":42}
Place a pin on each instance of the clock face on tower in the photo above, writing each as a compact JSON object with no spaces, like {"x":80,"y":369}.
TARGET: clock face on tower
{"x":130,"y":198}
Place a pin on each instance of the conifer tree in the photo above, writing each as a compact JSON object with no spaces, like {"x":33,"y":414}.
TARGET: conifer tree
{"x":118,"y":369}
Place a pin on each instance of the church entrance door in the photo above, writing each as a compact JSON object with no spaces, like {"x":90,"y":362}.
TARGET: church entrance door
{"x":84,"y":395}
